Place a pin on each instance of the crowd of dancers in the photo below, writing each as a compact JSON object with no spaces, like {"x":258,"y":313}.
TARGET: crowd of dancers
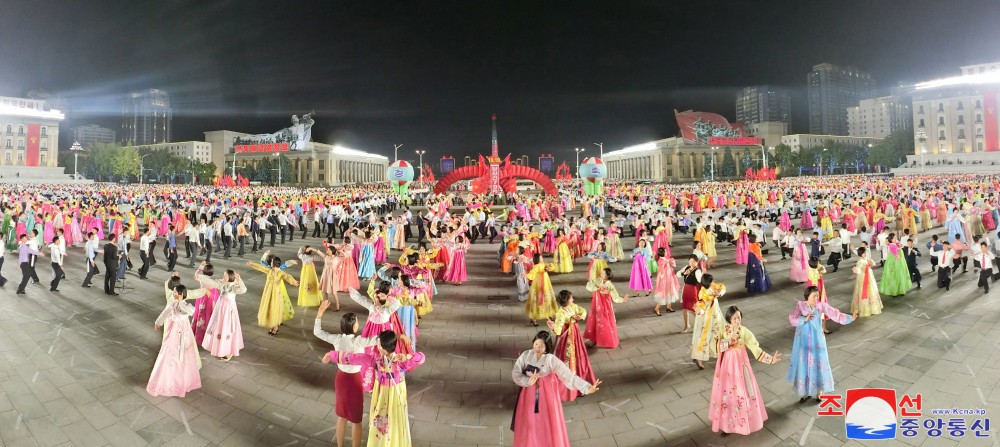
{"x":390,"y":260}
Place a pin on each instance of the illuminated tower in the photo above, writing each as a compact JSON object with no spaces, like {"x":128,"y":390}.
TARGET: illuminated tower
{"x":494,"y":161}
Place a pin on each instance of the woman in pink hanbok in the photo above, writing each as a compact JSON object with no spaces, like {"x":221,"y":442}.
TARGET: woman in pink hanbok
{"x":806,"y":222}
{"x":204,"y":306}
{"x":456,"y":271}
{"x":538,"y":414}
{"x":224,"y":334}
{"x":175,"y":372}
{"x":800,"y":259}
{"x":742,"y":243}
{"x":736,"y":405}
{"x":785,"y":222}
{"x":667,"y":289}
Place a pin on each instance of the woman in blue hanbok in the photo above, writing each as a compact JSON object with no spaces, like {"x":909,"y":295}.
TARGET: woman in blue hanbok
{"x":953,"y":224}
{"x":809,"y":367}
{"x":366,"y":260}
{"x":757,"y":279}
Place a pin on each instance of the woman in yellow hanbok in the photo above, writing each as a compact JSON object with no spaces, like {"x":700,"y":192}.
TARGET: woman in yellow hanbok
{"x":541,"y":302}
{"x":707,"y":321}
{"x":275,"y":306}
{"x":563,"y":258}
{"x":310,"y":294}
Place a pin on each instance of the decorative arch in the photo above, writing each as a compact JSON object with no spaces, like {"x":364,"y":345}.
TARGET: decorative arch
{"x":508,"y":178}
{"x":514,"y":172}
{"x":463,"y":173}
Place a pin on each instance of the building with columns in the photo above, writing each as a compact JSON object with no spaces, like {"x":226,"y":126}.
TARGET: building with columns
{"x":673,"y":160}
{"x":29,"y":133}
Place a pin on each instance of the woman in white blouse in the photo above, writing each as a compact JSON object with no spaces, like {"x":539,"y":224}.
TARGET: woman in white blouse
{"x":538,"y":415}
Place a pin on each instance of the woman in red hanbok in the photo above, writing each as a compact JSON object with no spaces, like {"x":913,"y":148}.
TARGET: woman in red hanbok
{"x":570,"y":348}
{"x":602,"y":329}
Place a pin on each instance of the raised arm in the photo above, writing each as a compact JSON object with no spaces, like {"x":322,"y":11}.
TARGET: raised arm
{"x":565,"y":375}
{"x":361,"y":299}
{"x":747,"y":339}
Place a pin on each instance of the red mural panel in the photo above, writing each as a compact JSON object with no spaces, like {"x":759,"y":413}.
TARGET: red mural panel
{"x":34,"y":145}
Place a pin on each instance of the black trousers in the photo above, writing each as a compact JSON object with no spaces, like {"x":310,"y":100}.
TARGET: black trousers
{"x":834,"y":260}
{"x":26,"y":273}
{"x":187,"y":247}
{"x":331,"y":230}
{"x":984,"y":279}
{"x":2,"y":279}
{"x":243,"y":241}
{"x":302,"y":227}
{"x":145,"y":264}
{"x":110,"y":277}
{"x":274,"y":234}
{"x":943,"y":276}
{"x":57,"y":270}
{"x":963,"y":261}
{"x":91,"y":271}
{"x":227,"y":243}
{"x":208,"y":250}
{"x":316,"y":230}
{"x":152,"y":252}
{"x":171,"y":259}
{"x":34,"y":274}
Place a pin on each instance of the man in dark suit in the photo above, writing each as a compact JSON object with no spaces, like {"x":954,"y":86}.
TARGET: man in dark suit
{"x":111,"y":260}
{"x":421,"y":227}
{"x":910,"y":253}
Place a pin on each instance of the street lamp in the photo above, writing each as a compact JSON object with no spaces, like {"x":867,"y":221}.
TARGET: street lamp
{"x":279,"y":168}
{"x":922,"y":136}
{"x":191,"y":166}
{"x":142,"y":167}
{"x":396,"y":150}
{"x":713,"y":163}
{"x":76,"y":149}
{"x":601,"y":146}
{"x":821,"y":162}
{"x":421,"y":166}
{"x":234,"y":164}
{"x":578,"y":150}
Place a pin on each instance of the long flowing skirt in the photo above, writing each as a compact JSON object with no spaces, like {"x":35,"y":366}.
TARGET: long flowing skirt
{"x":640,"y":279}
{"x":703,"y":338}
{"x":368,"y":379}
{"x":389,"y":422}
{"x":408,"y":320}
{"x":366,"y":263}
{"x":602,"y":329}
{"x":224,"y":336}
{"x":563,"y":259}
{"x":597,"y":265}
{"x":809,"y":364}
{"x":456,"y":270}
{"x":547,"y":426}
{"x":348,"y":277}
{"x":541,"y":303}
{"x":866,"y":300}
{"x":757,"y":281}
{"x":350,"y":396}
{"x":800,"y":264}
{"x":736,"y":405}
{"x":549,"y":244}
{"x":690,"y":296}
{"x":204,"y":307}
{"x":806,"y":222}
{"x":328,"y":279}
{"x":785,"y":223}
{"x":742,"y":249}
{"x":895,"y":277}
{"x":310,"y":294}
{"x":571,"y":350}
{"x":176,"y":369}
{"x":668,"y":288}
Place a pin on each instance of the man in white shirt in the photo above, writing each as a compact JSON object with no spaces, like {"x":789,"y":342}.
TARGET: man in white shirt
{"x":944,"y":259}
{"x":845,"y":240}
{"x":57,"y":253}
{"x":883,"y":242}
{"x":985,"y":259}
{"x":145,"y":249}
{"x":282,"y":225}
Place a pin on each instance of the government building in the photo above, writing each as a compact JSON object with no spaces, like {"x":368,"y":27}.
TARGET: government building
{"x":675,"y":160}
{"x":29,"y":132}
{"x":319,"y":164}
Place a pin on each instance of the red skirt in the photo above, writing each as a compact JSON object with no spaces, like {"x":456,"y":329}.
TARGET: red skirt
{"x":350,"y":397}
{"x":690,"y":296}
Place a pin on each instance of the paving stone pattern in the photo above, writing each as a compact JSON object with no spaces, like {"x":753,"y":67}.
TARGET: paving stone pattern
{"x":75,"y":364}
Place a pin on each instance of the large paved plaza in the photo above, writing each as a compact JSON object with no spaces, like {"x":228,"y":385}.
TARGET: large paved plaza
{"x":75,"y":364}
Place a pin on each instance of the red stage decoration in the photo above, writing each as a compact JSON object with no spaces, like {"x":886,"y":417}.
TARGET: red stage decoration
{"x":34,"y":143}
{"x":698,"y":127}
{"x":761,"y":174}
{"x":562,"y":173}
{"x":264,"y":147}
{"x":493,"y":175}
{"x":428,"y":174}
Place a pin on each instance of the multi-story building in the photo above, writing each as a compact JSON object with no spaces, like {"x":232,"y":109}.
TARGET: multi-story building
{"x":832,"y":89}
{"x":675,"y":160}
{"x":318,"y":164}
{"x":146,"y":118}
{"x":92,"y":135}
{"x":878,"y":117}
{"x":805,"y":141}
{"x":763,"y":103}
{"x":769,"y":131}
{"x":29,"y":133}
{"x":194,"y":150}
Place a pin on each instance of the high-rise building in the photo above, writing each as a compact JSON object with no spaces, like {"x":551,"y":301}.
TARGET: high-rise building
{"x":146,"y":117}
{"x":832,"y":89}
{"x":93,"y":135}
{"x":878,"y":117}
{"x":763,"y":103}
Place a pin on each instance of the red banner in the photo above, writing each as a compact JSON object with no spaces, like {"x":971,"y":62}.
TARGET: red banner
{"x":264,"y":148}
{"x":738,"y":141}
{"x":990,"y":124}
{"x":698,"y":127}
{"x":34,"y":143}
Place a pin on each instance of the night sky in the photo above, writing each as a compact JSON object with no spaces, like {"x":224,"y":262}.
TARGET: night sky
{"x":430,"y":74}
